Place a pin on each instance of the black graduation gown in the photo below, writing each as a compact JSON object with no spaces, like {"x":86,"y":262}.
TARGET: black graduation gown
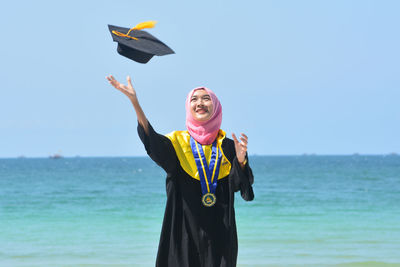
{"x":193,"y":235}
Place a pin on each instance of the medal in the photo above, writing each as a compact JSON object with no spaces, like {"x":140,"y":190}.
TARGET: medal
{"x":208,"y":174}
{"x":209,"y":199}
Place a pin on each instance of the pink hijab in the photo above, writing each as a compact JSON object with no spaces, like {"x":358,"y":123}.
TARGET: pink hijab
{"x":204,"y":132}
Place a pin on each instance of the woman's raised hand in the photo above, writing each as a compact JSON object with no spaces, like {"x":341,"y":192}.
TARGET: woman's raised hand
{"x":131,"y":93}
{"x":126,"y":89}
{"x":241,"y":148}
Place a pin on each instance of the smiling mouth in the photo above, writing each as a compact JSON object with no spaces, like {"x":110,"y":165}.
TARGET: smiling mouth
{"x":201,"y":111}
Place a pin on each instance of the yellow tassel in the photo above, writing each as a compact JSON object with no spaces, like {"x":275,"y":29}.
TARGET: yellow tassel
{"x":145,"y":25}
{"x":123,"y":35}
{"x":140,"y":26}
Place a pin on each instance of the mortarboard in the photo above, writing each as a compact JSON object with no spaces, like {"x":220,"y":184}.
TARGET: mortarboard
{"x":138,"y":45}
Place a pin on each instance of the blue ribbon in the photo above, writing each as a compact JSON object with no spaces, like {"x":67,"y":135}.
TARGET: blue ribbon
{"x":208,"y":174}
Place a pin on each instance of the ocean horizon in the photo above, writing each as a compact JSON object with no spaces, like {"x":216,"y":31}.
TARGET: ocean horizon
{"x":250,"y":155}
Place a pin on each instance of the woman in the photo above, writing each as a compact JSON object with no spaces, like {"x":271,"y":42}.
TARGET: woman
{"x":204,"y":169}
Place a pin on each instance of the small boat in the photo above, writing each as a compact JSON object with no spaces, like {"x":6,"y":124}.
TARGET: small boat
{"x":56,"y":156}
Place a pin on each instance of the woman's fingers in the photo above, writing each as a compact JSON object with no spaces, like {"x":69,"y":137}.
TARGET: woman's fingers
{"x":243,"y":137}
{"x":125,"y":89}
{"x":110,"y":78}
{"x":242,"y":144}
{"x":128,"y":78}
{"x":243,"y":140}
{"x":115,"y":83}
{"x":235,"y":139}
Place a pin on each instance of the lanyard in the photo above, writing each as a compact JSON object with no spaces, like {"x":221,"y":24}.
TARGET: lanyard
{"x":208,"y":174}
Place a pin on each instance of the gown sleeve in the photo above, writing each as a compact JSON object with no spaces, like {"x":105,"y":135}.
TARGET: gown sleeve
{"x":242,"y":179}
{"x":159,"y":148}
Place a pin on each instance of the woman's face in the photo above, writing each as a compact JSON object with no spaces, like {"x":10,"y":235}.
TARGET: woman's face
{"x":201,"y":105}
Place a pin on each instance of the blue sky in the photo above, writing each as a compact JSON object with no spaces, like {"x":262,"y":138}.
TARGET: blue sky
{"x":296,"y":76}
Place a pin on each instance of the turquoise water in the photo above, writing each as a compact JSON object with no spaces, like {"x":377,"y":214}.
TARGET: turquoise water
{"x":308,"y":211}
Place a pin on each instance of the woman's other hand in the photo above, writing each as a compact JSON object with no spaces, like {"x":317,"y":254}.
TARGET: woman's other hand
{"x":241,"y":148}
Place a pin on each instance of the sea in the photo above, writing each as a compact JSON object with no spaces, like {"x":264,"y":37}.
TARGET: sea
{"x":309,"y":210}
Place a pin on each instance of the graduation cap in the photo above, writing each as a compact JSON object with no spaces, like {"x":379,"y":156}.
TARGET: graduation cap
{"x":138,"y":45}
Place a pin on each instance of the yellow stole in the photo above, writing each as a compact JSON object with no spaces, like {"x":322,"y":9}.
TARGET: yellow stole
{"x":181,"y":142}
